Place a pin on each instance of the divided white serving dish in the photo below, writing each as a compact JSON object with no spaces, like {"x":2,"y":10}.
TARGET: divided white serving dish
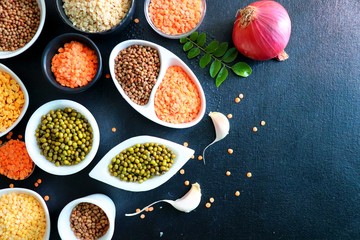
{"x":101,"y":173}
{"x":167,"y":59}
{"x":34,"y":150}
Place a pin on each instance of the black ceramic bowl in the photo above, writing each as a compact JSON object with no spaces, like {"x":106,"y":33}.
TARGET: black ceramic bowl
{"x":124,"y":22}
{"x":52,"y":48}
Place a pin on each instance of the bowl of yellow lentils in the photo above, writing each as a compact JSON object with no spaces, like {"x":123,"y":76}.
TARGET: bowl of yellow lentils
{"x":14,"y":100}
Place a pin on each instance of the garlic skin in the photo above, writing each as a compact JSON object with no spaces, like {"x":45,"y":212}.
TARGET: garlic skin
{"x":222,"y":128}
{"x":187,"y":203}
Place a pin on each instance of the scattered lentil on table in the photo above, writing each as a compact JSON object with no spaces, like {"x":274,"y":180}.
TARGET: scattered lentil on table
{"x":254,"y":129}
{"x":136,"y":69}
{"x":15,"y":162}
{"x":208,"y":205}
{"x":177,"y":100}
{"x":94,"y":15}
{"x":237,"y":100}
{"x":75,"y":65}
{"x":211,"y":200}
{"x":230,"y":151}
{"x":19,"y":22}
{"x":21,"y":217}
{"x":237,"y":193}
{"x":141,"y":162}
{"x":12,"y":100}
{"x":88,"y":221}
{"x":64,"y":136}
{"x":176,"y":16}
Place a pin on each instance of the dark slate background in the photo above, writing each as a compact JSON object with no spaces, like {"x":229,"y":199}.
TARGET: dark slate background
{"x":304,"y":162}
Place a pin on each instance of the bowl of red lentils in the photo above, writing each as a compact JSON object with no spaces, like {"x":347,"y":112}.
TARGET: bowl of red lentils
{"x":14,"y":100}
{"x":21,"y":24}
{"x":175,"y":19}
{"x":72,"y":63}
{"x":96,"y":17}
{"x":157,"y":83}
{"x":89,"y":217}
{"x":27,"y":215}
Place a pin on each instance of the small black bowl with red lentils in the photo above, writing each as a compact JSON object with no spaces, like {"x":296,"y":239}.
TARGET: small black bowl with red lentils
{"x":72,"y":63}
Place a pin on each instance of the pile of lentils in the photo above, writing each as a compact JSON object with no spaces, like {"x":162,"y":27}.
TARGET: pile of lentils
{"x":19,"y":21}
{"x":141,"y":162}
{"x":88,"y":221}
{"x":64,"y":136}
{"x":136,"y":69}
{"x":94,"y":15}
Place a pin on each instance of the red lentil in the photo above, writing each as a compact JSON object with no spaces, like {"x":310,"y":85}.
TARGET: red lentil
{"x":136,"y":20}
{"x":230,"y":151}
{"x":107,"y":75}
{"x":75,"y":65}
{"x":15,"y":162}
{"x":142,"y":216}
{"x":176,"y":16}
{"x":177,"y":100}
{"x":46,"y":198}
{"x":200,"y":158}
{"x":11,"y":185}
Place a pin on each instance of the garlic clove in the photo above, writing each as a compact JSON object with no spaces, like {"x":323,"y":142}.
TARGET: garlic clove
{"x":187,"y":203}
{"x":222,"y":127}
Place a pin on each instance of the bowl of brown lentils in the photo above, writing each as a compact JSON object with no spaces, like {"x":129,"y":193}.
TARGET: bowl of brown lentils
{"x":89,"y":217}
{"x":21,"y":25}
{"x":93,"y":16}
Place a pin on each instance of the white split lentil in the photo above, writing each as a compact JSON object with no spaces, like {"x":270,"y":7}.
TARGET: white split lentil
{"x":21,"y":217}
{"x":94,"y":15}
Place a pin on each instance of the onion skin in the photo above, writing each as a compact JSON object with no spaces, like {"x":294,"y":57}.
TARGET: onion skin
{"x":262,"y":30}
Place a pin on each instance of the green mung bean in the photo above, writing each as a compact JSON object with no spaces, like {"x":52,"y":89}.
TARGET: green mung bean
{"x":64,"y":136}
{"x":141,"y":162}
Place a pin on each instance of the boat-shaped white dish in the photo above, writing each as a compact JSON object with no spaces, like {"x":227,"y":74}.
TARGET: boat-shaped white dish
{"x":167,"y":59}
{"x":34,"y":150}
{"x":101,"y":173}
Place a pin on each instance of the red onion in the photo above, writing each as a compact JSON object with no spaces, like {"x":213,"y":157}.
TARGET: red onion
{"x":262,"y":30}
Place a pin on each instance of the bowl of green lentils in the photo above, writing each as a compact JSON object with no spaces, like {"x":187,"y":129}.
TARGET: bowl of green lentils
{"x":21,"y":25}
{"x":62,"y":137}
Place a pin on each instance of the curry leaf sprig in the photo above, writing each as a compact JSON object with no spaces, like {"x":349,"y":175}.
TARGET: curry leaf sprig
{"x":219,"y":54}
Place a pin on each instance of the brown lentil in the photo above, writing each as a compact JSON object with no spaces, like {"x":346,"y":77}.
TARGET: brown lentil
{"x":21,"y":217}
{"x":95,"y":15}
{"x":88,"y":221}
{"x":136,"y":69}
{"x":19,"y":21}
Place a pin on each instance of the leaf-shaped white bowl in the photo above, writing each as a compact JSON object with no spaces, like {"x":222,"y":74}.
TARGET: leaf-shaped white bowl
{"x":34,"y":150}
{"x":167,"y":59}
{"x":100,"y":171}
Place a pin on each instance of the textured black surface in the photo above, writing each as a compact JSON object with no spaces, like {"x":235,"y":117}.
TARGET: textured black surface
{"x":304,"y":162}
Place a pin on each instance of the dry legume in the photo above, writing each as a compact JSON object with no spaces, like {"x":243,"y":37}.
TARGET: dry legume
{"x":94,"y":15}
{"x":11,"y":100}
{"x":140,"y":162}
{"x":177,"y":100}
{"x":64,"y":136}
{"x":21,"y":217}
{"x":88,"y":221}
{"x":137,"y":68}
{"x":176,"y":16}
{"x":74,"y":65}
{"x":19,"y":21}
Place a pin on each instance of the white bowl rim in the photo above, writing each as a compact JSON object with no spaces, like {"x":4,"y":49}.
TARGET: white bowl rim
{"x":34,"y":151}
{"x":167,"y":59}
{"x":26,"y":98}
{"x":9,"y":54}
{"x":39,"y":198}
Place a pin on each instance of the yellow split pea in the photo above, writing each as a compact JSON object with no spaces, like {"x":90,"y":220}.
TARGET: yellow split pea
{"x":11,"y":100}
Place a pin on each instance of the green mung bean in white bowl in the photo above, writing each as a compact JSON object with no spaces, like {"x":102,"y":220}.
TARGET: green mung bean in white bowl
{"x":72,"y":150}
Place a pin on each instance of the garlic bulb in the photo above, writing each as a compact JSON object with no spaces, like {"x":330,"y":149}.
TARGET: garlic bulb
{"x":222,"y":127}
{"x":187,"y":203}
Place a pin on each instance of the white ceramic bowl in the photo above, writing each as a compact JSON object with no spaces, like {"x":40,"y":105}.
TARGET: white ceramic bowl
{"x":36,"y":196}
{"x":167,"y":59}
{"x":100,"y":171}
{"x":177,"y":36}
{"x":3,"y":68}
{"x":34,"y":150}
{"x":9,"y":54}
{"x":101,"y":200}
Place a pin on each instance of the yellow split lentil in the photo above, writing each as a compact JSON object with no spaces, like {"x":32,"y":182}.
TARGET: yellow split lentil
{"x":21,"y":217}
{"x":11,"y":100}
{"x":177,"y":100}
